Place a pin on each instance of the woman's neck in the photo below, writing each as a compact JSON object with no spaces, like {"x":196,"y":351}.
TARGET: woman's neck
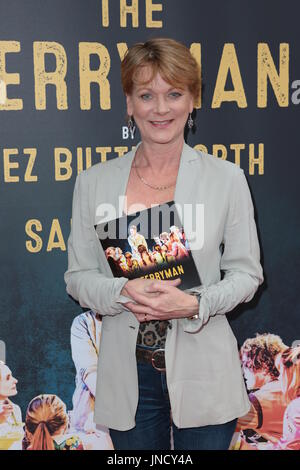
{"x":159,"y":158}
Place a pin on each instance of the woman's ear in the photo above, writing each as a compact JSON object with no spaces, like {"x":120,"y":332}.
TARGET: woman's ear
{"x":192,"y":105}
{"x":129,"y":105}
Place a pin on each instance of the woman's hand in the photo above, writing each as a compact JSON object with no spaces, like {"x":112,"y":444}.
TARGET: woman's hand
{"x":159,"y":300}
{"x":139,"y":285}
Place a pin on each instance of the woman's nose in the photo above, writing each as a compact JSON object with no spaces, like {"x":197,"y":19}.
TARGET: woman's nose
{"x":162,"y":105}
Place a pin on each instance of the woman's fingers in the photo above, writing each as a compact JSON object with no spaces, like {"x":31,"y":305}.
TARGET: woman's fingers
{"x":162,"y":286}
{"x":141,"y":318}
{"x":152,"y":287}
{"x":144,"y":299}
{"x":139,"y":308}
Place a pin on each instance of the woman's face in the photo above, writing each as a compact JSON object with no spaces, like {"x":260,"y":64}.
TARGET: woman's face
{"x":159,"y":110}
{"x":7,"y":383}
{"x":254,"y":378}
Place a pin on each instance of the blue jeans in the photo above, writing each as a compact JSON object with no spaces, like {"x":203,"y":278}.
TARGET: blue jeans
{"x":154,"y":423}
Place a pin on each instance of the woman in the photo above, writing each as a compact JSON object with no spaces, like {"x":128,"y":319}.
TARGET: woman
{"x":286,"y":432}
{"x":268,"y":403}
{"x":288,"y":363}
{"x":85,"y":340}
{"x":129,"y":261}
{"x":146,"y":257}
{"x":158,"y":254}
{"x":46,"y":424}
{"x":178,"y":249}
{"x":11,"y":428}
{"x":195,"y":377}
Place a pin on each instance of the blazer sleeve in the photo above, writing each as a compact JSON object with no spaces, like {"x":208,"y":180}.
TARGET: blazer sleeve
{"x":84,"y":280}
{"x":240,"y":260}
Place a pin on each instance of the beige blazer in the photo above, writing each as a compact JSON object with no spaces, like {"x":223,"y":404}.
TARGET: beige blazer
{"x":203,"y":368}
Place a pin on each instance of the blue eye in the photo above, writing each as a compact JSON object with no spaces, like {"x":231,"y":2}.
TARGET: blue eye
{"x":175,"y":94}
{"x":146,"y":96}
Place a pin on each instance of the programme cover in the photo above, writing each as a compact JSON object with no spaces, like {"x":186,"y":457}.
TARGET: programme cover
{"x":149,"y":244}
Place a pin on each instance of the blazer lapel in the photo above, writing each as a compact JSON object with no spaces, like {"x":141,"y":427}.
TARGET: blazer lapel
{"x":186,"y":177}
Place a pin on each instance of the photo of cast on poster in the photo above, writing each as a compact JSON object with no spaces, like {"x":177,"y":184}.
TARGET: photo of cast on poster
{"x":135,"y":256}
{"x":271,"y":372}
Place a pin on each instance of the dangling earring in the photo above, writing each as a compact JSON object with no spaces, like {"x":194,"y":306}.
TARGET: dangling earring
{"x":190,"y":121}
{"x":131,"y":127}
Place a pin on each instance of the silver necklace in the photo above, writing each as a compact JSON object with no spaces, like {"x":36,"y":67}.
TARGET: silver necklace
{"x":160,"y":188}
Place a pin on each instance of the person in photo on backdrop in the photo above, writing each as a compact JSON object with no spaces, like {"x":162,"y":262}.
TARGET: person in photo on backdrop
{"x":46,"y":426}
{"x":288,"y":363}
{"x":11,"y":430}
{"x":85,"y":341}
{"x":189,"y":382}
{"x":264,"y":420}
{"x":277,"y":413}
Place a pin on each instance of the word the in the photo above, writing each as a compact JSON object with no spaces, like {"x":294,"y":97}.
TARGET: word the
{"x":133,"y":11}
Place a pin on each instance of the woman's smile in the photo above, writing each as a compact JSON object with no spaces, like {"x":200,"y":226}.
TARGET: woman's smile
{"x":161,"y":124}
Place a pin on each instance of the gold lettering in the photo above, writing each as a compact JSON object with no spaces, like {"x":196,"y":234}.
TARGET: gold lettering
{"x":201,"y":148}
{"x":59,"y":164}
{"x":168,"y":273}
{"x":3,"y":93}
{"x":220,"y":148}
{"x":88,"y":76}
{"x":228,"y":63}
{"x":132,"y":10}
{"x":122,"y":49}
{"x":6,"y":104}
{"x":266,"y":69}
{"x":8,"y":165}
{"x":103,"y":152}
{"x":32,"y":152}
{"x":121,"y":151}
{"x":33,"y":248}
{"x":88,"y":159}
{"x":56,"y":78}
{"x":105,"y":13}
{"x":195,"y":50}
{"x":256,"y":160}
{"x":237,"y":152}
{"x":150,"y":8}
{"x":56,"y":231}
{"x":180,"y":269}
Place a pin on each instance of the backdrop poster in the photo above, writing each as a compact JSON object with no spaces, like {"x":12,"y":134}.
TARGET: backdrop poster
{"x":62,"y":110}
